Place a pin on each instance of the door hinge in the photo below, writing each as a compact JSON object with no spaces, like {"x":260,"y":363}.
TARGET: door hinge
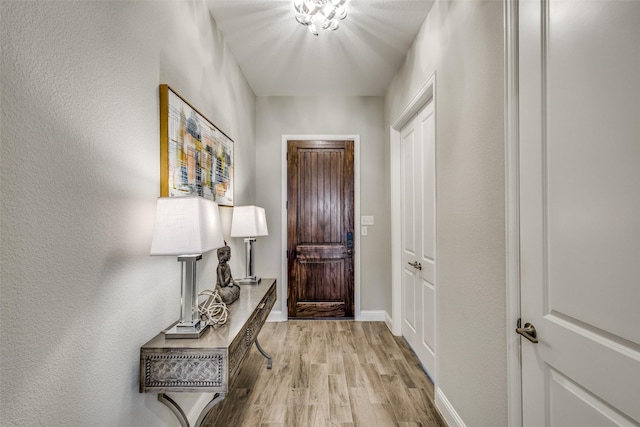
{"x":287,"y":204}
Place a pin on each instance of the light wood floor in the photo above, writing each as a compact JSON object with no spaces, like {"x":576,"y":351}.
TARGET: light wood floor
{"x":329,"y":373}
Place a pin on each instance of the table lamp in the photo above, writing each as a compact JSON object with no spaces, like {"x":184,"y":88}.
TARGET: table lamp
{"x":249,"y":222}
{"x":186,"y":227}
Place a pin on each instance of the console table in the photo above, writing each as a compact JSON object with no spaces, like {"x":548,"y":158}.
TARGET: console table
{"x":209,"y":363}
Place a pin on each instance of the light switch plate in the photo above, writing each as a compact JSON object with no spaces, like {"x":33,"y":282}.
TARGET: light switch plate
{"x":363,"y":230}
{"x":366,"y":220}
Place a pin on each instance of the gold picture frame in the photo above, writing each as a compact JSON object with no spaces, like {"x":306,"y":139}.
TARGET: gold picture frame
{"x":196,"y":158}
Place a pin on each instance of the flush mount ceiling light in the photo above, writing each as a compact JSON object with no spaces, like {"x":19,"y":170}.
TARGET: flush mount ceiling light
{"x":323,"y":14}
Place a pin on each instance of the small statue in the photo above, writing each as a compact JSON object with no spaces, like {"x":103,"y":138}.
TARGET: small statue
{"x":228,"y":290}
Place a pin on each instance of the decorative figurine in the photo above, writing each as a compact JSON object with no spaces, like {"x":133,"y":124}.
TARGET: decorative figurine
{"x":228,"y":290}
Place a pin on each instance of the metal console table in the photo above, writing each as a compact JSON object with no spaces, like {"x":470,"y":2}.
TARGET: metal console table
{"x":210,"y":363}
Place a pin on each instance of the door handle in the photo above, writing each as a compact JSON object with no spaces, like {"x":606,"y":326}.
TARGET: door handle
{"x":415,"y":264}
{"x":529,"y":331}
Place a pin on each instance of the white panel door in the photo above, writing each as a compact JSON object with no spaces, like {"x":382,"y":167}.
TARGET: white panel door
{"x":579,"y":92}
{"x":410,"y":279}
{"x":418,"y":235}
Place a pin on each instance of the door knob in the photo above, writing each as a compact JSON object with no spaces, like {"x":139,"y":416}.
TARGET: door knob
{"x":415,"y":264}
{"x":529,"y":331}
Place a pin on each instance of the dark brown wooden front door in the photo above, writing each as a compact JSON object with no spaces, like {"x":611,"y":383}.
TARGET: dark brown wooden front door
{"x":320,"y":236}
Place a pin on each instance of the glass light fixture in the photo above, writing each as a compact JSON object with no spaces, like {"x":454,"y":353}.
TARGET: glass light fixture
{"x":323,"y":14}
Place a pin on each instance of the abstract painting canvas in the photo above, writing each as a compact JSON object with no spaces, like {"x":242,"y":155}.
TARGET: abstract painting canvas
{"x":196,"y":158}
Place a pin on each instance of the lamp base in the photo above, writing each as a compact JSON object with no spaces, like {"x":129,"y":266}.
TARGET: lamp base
{"x":178,"y":331}
{"x":248,"y":280}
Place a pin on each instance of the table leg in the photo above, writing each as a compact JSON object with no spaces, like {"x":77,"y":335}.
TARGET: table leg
{"x":216,"y":398}
{"x":175,"y":408}
{"x":269,"y":362}
{"x":179,"y":413}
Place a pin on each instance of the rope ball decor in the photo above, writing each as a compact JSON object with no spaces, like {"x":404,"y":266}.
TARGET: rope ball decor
{"x":213,"y":308}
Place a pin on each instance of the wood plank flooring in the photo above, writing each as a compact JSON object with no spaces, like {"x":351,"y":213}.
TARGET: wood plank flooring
{"x":329,"y":373}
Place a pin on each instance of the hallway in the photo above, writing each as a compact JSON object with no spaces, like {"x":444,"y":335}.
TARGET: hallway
{"x":81,"y":174}
{"x":329,"y":373}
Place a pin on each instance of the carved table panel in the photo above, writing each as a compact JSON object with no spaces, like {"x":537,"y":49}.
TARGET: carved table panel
{"x":208,"y":363}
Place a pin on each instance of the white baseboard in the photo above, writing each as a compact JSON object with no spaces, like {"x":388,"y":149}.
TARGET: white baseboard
{"x":447,"y":410}
{"x":372,"y":315}
{"x":389,"y":321}
{"x":277,"y":316}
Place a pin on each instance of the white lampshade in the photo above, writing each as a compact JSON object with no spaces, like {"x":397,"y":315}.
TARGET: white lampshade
{"x":186,"y":226}
{"x":248,"y":221}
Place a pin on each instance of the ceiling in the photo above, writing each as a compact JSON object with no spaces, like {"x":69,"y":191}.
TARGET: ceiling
{"x":280,"y":57}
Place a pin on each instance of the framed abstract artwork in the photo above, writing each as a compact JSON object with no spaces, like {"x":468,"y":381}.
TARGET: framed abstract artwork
{"x":196,"y":158}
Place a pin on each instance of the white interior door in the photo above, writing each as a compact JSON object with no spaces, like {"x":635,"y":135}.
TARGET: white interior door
{"x":579,"y":92}
{"x":418,"y":235}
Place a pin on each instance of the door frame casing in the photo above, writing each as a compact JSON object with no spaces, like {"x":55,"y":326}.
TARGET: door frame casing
{"x":422,"y":146}
{"x":284,"y":285}
{"x":512,"y":212}
{"x":427,"y":93}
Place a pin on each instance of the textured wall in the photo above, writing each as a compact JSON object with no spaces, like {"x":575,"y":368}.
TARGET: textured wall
{"x":79,"y":178}
{"x":327,"y":115}
{"x":463,"y":42}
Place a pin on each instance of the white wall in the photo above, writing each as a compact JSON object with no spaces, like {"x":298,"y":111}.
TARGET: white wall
{"x":80,"y":173}
{"x":326,"y":115}
{"x":463,"y":42}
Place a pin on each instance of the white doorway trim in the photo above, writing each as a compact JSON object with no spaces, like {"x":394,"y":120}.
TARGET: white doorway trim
{"x":512,"y":214}
{"x":356,"y":212}
{"x":426,"y":93}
